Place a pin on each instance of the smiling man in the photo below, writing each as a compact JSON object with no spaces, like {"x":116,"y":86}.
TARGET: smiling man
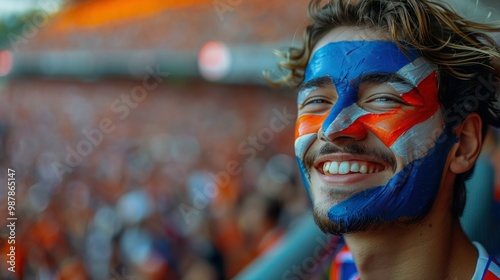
{"x":394,"y":99}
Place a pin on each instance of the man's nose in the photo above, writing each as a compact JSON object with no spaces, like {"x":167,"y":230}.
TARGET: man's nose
{"x":356,"y":131}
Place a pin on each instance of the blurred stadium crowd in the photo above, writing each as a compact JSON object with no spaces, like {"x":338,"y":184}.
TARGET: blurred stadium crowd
{"x":130,"y":202}
{"x":144,"y":200}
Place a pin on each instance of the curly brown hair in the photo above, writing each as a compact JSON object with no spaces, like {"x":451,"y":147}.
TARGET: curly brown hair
{"x":466,"y":57}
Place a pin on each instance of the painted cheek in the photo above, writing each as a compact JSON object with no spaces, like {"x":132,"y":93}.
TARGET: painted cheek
{"x":391,"y":125}
{"x":308,"y":124}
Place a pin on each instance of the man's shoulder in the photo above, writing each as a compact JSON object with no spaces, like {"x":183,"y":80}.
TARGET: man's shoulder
{"x":343,"y":267}
{"x":492,"y":270}
{"x":487,"y":267}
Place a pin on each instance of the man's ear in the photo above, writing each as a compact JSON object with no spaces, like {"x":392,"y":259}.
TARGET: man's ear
{"x":469,"y":145}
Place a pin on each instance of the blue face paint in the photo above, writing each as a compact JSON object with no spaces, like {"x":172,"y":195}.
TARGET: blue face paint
{"x":411,"y":192}
{"x":347,"y":62}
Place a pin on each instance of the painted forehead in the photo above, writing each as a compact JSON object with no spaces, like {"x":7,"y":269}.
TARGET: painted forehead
{"x":346,"y":61}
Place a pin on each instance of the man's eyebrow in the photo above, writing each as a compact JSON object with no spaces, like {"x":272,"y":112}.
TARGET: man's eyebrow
{"x":323,"y":82}
{"x":379,"y":78}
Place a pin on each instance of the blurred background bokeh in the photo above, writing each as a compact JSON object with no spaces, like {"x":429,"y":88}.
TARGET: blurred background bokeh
{"x":145,"y":141}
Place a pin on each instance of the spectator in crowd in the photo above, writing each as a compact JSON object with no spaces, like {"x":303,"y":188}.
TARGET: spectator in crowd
{"x":394,"y":100}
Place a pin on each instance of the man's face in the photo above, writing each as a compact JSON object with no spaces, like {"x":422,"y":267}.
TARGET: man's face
{"x":370,"y":139}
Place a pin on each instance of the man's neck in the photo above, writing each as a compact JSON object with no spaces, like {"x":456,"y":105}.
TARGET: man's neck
{"x":432,"y":249}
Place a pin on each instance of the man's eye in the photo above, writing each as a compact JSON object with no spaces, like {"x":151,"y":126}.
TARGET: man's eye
{"x":315,"y":101}
{"x":315,"y":105}
{"x":383,"y":102}
{"x":386,"y":98}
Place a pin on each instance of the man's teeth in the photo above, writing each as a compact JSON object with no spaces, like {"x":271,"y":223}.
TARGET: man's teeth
{"x":344,"y":167}
{"x":363,"y":169}
{"x":333,"y":168}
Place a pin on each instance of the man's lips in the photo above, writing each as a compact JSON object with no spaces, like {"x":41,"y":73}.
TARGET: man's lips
{"x":346,"y":167}
{"x":343,"y":164}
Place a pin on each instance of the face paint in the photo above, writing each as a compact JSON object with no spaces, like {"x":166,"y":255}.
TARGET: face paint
{"x":414,"y":131}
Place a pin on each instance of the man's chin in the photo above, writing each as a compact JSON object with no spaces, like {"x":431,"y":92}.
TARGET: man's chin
{"x":325,"y":202}
{"x":339,"y":228}
{"x":327,"y":226}
{"x":358,"y":225}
